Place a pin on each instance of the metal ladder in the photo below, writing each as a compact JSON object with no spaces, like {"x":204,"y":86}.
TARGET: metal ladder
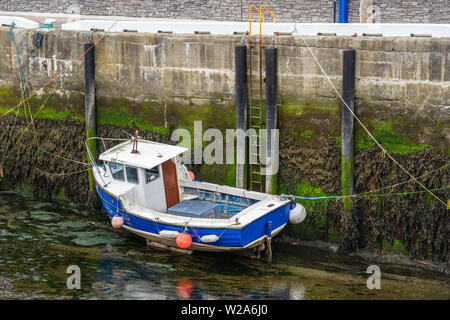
{"x":256,"y":106}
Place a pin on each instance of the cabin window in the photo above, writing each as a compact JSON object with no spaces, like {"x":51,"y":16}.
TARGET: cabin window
{"x":117,"y":171}
{"x":151,"y":174}
{"x":132,"y":175}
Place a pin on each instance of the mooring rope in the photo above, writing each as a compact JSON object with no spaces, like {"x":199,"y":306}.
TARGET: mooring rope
{"x":369,"y":193}
{"x":362,"y":195}
{"x":61,"y":157}
{"x":364,"y":127}
{"x":60,"y":174}
{"x":398,"y":184}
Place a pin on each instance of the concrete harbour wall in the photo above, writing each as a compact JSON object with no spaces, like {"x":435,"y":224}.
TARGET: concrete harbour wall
{"x":158,"y":82}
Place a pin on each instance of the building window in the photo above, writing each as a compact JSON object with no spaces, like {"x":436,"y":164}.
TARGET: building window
{"x":117,"y":171}
{"x":151,"y":174}
{"x":132,"y":175}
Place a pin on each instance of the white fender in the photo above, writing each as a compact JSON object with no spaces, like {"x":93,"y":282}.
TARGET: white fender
{"x":168,"y":234}
{"x":297,"y":213}
{"x":209,"y":238}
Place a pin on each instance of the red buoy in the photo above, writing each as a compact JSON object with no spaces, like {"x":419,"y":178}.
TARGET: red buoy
{"x":117,"y":221}
{"x":191,"y":175}
{"x":184,"y":240}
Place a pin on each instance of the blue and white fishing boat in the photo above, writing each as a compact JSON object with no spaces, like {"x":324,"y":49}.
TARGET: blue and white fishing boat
{"x":146,"y":191}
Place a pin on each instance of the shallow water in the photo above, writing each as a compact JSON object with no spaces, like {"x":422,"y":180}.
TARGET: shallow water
{"x":40,"y":240}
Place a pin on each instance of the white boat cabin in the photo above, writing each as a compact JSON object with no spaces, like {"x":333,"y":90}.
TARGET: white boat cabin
{"x":147,"y":172}
{"x":148,"y":179}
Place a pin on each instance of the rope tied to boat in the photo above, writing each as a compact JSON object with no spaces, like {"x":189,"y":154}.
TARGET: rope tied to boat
{"x":157,"y":225}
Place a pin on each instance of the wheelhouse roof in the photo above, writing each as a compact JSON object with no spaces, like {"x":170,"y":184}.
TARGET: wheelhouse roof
{"x":150,"y":153}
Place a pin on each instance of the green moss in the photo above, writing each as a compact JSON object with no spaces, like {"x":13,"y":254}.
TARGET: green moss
{"x":9,"y":98}
{"x":275,"y":184}
{"x":306,"y":120}
{"x":315,"y":223}
{"x":223,"y":174}
{"x":47,"y":106}
{"x":395,"y":142}
{"x":395,"y":247}
{"x":346,"y":176}
{"x":60,"y":195}
{"x":92,"y":145}
{"x":148,"y":127}
{"x":156,"y":116}
{"x":307,"y":134}
{"x":119,"y":118}
{"x":300,"y":107}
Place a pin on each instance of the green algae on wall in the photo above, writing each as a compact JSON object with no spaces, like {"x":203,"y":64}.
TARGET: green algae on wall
{"x":153,"y":115}
{"x":309,"y":121}
{"x":47,"y":105}
{"x":315,"y":225}
{"x":397,"y":143}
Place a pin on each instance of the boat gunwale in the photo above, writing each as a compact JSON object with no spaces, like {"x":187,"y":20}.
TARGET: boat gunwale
{"x":229,"y":223}
{"x":203,"y":246}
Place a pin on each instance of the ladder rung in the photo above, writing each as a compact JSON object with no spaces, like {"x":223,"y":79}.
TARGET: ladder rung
{"x":258,"y":182}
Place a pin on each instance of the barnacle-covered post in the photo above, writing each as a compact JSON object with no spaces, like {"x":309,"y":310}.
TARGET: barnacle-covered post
{"x":91,"y":127}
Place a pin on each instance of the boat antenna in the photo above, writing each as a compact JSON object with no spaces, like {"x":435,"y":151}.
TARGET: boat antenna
{"x":135,"y":142}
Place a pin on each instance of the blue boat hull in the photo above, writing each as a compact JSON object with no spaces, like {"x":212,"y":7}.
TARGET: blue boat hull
{"x":229,"y":239}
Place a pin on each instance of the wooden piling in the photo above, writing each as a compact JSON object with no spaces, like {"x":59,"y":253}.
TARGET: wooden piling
{"x":241,"y":115}
{"x":272,"y":154}
{"x":348,"y":94}
{"x":90,"y":112}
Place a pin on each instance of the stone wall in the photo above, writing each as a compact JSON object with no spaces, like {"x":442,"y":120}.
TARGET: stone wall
{"x":158,"y":82}
{"x":403,"y":76}
{"x":406,"y":11}
{"x":392,"y":11}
